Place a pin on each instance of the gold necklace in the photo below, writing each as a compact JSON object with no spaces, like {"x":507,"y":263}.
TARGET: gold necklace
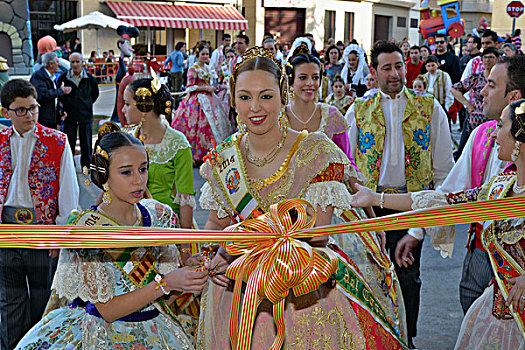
{"x":270,"y":157}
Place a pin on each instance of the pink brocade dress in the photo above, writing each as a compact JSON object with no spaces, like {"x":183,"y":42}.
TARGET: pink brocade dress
{"x":201,"y":116}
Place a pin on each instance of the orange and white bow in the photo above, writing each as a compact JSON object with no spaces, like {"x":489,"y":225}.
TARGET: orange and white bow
{"x":273,"y":266}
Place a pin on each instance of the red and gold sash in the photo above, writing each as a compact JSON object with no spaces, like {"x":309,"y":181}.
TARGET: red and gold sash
{"x":503,"y":264}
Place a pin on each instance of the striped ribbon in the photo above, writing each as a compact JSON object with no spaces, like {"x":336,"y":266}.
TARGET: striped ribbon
{"x":273,"y":267}
{"x":273,"y":259}
{"x":54,"y":236}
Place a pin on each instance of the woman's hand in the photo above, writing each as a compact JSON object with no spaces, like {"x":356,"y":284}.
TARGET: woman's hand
{"x":364,"y":197}
{"x":196,"y":260}
{"x":186,"y":279}
{"x":211,"y":89}
{"x":218,"y":266}
{"x":517,"y":294}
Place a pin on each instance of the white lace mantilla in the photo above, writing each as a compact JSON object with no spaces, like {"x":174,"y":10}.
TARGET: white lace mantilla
{"x":172,"y":142}
{"x":329,"y":193}
{"x":90,"y":279}
{"x":442,"y":236}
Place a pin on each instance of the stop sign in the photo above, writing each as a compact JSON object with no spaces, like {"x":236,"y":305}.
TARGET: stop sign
{"x":515,"y":8}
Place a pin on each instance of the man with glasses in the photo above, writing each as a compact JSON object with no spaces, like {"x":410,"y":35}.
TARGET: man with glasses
{"x":38,"y":186}
{"x":474,"y":84}
{"x":475,"y":65}
{"x":448,"y":62}
{"x":48,"y":91}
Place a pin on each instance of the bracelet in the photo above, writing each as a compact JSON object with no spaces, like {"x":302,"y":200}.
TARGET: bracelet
{"x":185,"y":250}
{"x":382,"y":200}
{"x":159,"y":283}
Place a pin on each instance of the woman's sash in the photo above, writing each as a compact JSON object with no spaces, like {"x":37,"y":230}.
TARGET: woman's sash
{"x":503,"y":264}
{"x":228,"y":170}
{"x":135,"y":265}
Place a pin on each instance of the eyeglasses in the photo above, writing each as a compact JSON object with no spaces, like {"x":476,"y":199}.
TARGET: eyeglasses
{"x":439,"y":42}
{"x":22,"y":111}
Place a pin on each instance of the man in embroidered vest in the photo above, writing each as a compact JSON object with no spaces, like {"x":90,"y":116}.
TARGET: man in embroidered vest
{"x":478,"y":164}
{"x":38,"y":185}
{"x":401,"y":142}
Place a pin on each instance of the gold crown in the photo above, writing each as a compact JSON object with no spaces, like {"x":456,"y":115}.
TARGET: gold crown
{"x":254,"y":52}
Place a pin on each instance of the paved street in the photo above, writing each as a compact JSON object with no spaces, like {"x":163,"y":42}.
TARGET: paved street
{"x":440,"y":315}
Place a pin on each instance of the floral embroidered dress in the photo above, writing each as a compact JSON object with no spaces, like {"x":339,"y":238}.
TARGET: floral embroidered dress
{"x":170,"y":179}
{"x":342,"y":104}
{"x":89,"y":276}
{"x":201,"y":116}
{"x":488,"y":324}
{"x":329,"y":317}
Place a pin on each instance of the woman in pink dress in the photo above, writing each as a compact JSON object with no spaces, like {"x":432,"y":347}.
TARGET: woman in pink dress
{"x":201,"y":116}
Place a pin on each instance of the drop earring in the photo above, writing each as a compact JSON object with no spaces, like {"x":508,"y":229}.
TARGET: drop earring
{"x":106,"y":198}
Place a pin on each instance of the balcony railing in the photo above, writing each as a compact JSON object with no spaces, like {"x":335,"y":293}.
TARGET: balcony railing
{"x":475,"y":6}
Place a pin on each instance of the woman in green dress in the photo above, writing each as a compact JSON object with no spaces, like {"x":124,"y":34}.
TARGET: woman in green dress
{"x":146,"y":102}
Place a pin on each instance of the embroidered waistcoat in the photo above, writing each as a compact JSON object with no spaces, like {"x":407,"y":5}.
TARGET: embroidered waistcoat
{"x":371,"y":130}
{"x":44,"y":171}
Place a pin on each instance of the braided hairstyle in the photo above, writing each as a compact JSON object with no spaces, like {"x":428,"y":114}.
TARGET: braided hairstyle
{"x":260,"y":63}
{"x":110,"y":139}
{"x":517,"y":117}
{"x":160,"y":102}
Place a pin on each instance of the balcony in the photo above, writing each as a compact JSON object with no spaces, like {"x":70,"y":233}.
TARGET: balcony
{"x":484,"y":6}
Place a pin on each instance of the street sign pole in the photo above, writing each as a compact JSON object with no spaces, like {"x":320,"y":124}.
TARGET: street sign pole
{"x":513,"y":25}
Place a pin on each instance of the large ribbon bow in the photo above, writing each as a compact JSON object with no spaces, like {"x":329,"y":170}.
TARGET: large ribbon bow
{"x":272,"y":267}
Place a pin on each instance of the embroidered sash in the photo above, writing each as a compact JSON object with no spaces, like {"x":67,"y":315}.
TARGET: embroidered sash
{"x":228,"y":172}
{"x":135,"y":265}
{"x":503,"y":264}
{"x":481,"y":149}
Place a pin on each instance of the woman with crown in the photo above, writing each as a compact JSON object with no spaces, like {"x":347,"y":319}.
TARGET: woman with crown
{"x":496,"y":320}
{"x":201,"y":116}
{"x":119,"y":298}
{"x":263,"y":164}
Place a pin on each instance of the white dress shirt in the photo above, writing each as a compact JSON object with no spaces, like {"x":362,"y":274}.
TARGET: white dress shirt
{"x":459,"y":178}
{"x":392,"y":172}
{"x":18,"y":193}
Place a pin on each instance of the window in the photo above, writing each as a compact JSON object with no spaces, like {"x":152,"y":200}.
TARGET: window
{"x":414,"y":23}
{"x":329,"y":25}
{"x":349,"y":26}
{"x":402,"y":22}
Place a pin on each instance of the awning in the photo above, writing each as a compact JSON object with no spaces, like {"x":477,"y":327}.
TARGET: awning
{"x":143,"y":14}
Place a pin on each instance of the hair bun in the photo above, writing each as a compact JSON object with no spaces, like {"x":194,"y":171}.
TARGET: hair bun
{"x":106,"y":128}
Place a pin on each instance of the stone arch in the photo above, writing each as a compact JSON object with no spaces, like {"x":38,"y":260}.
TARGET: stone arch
{"x":16,"y":42}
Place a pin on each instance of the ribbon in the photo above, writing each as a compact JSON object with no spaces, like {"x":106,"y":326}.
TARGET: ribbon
{"x":55,"y":236}
{"x":273,"y":266}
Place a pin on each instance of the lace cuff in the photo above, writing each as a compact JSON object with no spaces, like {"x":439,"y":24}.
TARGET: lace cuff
{"x":327,"y":193}
{"x":185,"y":199}
{"x":207,"y":201}
{"x":442,"y":237}
{"x":428,"y":199}
{"x":90,"y":279}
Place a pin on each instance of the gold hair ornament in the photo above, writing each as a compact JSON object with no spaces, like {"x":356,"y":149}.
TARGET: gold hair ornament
{"x":102,"y":152}
{"x":155,"y":82}
{"x":254,"y":52}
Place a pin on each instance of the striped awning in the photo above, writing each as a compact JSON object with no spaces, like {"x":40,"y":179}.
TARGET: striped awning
{"x":144,"y":14}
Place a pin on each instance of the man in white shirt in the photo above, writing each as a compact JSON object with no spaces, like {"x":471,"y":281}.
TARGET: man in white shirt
{"x":401,"y":142}
{"x":38,"y":186}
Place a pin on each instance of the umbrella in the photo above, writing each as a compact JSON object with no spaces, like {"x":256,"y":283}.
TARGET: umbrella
{"x":94,"y":20}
